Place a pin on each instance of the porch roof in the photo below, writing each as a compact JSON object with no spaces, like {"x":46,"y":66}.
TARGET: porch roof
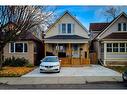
{"x":66,"y":37}
{"x":119,"y":35}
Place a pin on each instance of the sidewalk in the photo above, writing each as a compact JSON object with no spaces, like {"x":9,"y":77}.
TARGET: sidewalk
{"x":59,"y":80}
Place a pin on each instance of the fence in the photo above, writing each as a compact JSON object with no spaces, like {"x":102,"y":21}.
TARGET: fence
{"x":74,"y":61}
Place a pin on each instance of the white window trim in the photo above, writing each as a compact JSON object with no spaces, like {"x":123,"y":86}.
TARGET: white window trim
{"x":9,"y":47}
{"x":14,"y":47}
{"x":118,"y":47}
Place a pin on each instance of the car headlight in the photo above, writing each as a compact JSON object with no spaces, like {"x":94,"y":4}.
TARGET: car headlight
{"x":56,"y":65}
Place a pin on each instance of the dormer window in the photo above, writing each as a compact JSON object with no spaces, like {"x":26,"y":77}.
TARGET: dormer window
{"x":66,"y":28}
{"x":122,"y":27}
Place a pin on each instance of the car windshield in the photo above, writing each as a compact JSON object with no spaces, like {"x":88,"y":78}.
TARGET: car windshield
{"x":50,"y":59}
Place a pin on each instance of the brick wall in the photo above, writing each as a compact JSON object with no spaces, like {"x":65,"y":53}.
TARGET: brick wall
{"x":29,"y":55}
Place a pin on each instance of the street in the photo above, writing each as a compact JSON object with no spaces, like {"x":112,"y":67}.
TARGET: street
{"x":94,"y":85}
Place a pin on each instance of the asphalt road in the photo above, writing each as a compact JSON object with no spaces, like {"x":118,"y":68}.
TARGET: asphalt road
{"x":95,"y":85}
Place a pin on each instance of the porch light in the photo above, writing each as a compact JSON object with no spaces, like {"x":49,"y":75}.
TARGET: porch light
{"x":81,"y":49}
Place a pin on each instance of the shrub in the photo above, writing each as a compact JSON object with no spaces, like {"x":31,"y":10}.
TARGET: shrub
{"x":29,"y":65}
{"x":15,"y":62}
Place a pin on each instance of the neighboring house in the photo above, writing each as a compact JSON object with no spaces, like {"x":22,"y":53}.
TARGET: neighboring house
{"x":109,"y":41}
{"x":68,"y":39}
{"x":26,"y":46}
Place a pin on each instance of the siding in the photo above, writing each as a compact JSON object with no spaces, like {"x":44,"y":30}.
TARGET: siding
{"x":78,"y":30}
{"x":116,"y":56}
{"x":114,"y":27}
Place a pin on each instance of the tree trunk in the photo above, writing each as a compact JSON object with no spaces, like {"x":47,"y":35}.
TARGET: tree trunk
{"x":1,"y":58}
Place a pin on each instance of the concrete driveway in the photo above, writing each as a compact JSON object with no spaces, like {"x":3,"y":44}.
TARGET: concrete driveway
{"x":93,"y":70}
{"x":68,"y":75}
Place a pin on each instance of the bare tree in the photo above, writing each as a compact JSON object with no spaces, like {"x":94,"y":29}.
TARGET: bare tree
{"x":111,"y":12}
{"x":24,"y":18}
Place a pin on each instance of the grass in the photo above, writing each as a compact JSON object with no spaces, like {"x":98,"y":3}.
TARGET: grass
{"x":14,"y":71}
{"x":118,"y":68}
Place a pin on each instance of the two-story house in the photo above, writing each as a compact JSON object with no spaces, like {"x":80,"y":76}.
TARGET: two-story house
{"x":109,"y":41}
{"x":68,"y":39}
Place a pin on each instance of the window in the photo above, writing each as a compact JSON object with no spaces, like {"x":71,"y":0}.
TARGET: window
{"x":75,"y":47}
{"x":66,"y":28}
{"x":119,"y":26}
{"x":69,"y":28}
{"x":109,"y":47}
{"x":25,"y":47}
{"x":63,"y":28}
{"x":18,"y":47}
{"x":115,"y":47}
{"x":61,"y":48}
{"x":122,"y":27}
{"x":122,"y":47}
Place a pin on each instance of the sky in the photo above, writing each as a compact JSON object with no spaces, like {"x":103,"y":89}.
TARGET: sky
{"x":86,"y":14}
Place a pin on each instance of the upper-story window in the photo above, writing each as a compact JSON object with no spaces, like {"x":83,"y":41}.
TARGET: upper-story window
{"x":69,"y":29}
{"x":66,"y":28}
{"x":63,"y":28}
{"x":122,"y":27}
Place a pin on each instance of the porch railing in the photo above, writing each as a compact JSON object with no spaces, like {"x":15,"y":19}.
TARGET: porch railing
{"x":74,"y":61}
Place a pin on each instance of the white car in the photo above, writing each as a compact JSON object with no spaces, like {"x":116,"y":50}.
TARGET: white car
{"x":50,"y":64}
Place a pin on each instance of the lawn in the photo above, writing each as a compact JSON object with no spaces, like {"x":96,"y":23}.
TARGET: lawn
{"x":118,"y":68}
{"x":14,"y":71}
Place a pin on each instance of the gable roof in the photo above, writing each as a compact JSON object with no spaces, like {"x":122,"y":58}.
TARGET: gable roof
{"x":97,"y":26}
{"x":122,"y":35}
{"x":112,"y":22}
{"x":66,"y":12}
{"x":66,"y":37}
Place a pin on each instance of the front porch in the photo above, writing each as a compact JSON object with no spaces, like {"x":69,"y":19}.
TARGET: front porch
{"x":114,"y":53}
{"x":70,"y":54}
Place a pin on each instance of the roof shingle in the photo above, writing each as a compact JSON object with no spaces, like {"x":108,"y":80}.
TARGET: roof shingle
{"x":66,"y":37}
{"x":98,"y":26}
{"x":117,"y":36}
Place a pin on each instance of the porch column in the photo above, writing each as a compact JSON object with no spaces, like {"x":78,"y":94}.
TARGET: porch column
{"x":105,"y":47}
{"x":70,"y":55}
{"x":57,"y":49}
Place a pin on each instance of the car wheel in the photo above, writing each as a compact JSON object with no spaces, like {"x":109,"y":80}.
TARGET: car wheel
{"x":124,"y":80}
